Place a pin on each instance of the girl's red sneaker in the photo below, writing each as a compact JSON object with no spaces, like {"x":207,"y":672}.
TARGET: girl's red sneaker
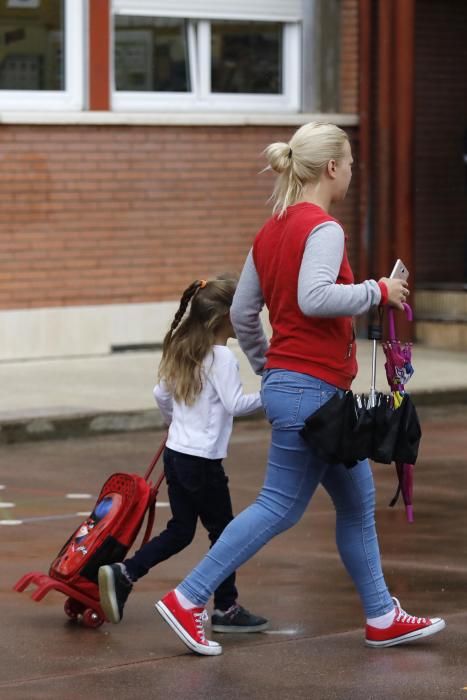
{"x":405,"y":628}
{"x":188,"y":624}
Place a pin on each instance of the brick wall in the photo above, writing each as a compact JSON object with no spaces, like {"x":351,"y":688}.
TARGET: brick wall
{"x":100,"y":215}
{"x":349,"y":33}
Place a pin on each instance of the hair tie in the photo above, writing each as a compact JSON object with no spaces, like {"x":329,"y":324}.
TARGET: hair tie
{"x":289,"y":154}
{"x":202,"y":284}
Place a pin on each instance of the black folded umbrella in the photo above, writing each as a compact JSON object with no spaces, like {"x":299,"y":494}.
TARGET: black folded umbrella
{"x":381,"y":427}
{"x":351,"y":427}
{"x":326,"y":429}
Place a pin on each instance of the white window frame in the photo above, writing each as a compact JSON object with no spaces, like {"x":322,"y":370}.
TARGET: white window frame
{"x":72,"y":97}
{"x":201,"y":98}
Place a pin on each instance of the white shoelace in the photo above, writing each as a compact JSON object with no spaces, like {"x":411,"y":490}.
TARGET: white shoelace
{"x":402,"y":616}
{"x":200,"y":619}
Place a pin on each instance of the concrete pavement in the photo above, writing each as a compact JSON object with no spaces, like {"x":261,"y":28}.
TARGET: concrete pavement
{"x":314,"y":649}
{"x":45,"y":399}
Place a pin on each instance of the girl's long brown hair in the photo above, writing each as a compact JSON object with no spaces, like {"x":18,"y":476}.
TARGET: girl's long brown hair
{"x":188,"y":342}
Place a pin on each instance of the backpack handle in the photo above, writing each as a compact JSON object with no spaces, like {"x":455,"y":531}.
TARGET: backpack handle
{"x":154,"y":491}
{"x":155,"y":459}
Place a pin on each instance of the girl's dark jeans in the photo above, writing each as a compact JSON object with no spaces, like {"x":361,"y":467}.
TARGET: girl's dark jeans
{"x":197,"y":488}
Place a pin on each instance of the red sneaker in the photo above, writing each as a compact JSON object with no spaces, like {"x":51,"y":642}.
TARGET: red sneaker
{"x":405,"y":628}
{"x":188,"y":624}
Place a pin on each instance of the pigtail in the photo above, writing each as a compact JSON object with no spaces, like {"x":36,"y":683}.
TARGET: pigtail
{"x":186,"y":297}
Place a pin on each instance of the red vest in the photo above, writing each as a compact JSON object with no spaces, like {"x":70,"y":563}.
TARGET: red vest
{"x":321,"y":347}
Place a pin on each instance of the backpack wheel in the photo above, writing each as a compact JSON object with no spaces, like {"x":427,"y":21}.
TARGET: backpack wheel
{"x":73,"y":608}
{"x":92,"y":619}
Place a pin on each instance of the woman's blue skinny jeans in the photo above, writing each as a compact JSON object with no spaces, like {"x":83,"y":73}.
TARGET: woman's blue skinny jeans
{"x":293,"y":474}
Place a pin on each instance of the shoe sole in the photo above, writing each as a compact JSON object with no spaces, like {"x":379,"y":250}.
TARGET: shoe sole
{"x":411,"y":637}
{"x":235,"y":629}
{"x":107,"y":594}
{"x":172,"y":621}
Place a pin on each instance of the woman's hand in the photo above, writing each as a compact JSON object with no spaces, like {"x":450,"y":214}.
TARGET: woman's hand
{"x":398,"y":291}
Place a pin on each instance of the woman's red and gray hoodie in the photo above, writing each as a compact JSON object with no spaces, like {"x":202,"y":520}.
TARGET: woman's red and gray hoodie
{"x":299,"y":268}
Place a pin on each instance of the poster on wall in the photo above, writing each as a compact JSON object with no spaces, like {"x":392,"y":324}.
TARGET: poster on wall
{"x":30,"y":4}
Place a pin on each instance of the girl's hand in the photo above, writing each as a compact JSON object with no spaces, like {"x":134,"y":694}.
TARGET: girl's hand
{"x":398,"y":291}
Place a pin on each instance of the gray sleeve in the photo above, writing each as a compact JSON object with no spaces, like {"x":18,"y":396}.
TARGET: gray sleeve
{"x":318,"y":293}
{"x":244,"y":314}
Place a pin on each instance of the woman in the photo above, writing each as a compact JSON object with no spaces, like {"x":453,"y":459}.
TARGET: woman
{"x":298,"y":266}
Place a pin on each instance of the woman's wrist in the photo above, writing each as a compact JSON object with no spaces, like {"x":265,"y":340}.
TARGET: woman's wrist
{"x":384,"y":293}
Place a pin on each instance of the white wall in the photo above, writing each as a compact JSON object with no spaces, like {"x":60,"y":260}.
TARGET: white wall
{"x":81,"y":330}
{"x":76,"y":331}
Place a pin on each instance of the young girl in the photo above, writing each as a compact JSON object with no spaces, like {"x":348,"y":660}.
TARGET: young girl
{"x":199,"y":392}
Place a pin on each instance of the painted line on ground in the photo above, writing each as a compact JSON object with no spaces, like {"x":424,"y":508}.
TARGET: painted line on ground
{"x":79,"y":496}
{"x":6,"y":504}
{"x":67,"y":516}
{"x":39,"y":518}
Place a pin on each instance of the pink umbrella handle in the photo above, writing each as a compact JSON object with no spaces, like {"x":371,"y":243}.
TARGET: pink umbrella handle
{"x":392,"y":324}
{"x":408,"y":311}
{"x":404,"y":488}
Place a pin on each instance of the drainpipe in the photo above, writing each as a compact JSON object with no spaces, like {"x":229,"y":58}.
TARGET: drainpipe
{"x":364,"y":158}
{"x":403,"y":158}
{"x":404,"y":134}
{"x":384,"y":124}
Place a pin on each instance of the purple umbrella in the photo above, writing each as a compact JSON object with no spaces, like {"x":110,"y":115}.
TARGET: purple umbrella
{"x":398,"y":363}
{"x":399,"y":369}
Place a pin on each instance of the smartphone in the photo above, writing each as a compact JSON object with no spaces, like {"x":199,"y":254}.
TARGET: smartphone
{"x":399,"y":271}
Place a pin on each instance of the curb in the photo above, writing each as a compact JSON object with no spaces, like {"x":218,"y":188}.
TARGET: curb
{"x":82,"y":425}
{"x":29,"y":429}
{"x":438,"y":397}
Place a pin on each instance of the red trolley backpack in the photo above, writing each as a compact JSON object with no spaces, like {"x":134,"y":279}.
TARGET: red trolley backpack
{"x":103,"y":538}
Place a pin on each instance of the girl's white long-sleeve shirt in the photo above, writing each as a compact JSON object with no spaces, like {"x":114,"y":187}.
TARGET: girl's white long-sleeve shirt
{"x":204,"y":429}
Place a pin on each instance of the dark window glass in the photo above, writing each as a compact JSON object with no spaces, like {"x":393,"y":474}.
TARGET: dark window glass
{"x":32,"y":45}
{"x":151,"y":54}
{"x":246,"y":57}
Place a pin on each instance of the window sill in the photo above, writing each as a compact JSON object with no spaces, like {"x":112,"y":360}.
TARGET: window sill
{"x":174,"y":118}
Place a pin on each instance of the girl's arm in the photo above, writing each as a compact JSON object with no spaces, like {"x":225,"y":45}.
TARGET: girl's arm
{"x":318,"y":293}
{"x":164,"y":400}
{"x":225,"y":377}
{"x":244,"y":314}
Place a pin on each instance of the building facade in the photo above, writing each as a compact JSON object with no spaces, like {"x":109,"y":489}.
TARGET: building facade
{"x":131,"y":135}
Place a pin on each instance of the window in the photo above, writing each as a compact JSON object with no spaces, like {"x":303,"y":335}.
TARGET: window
{"x":151,"y":55}
{"x":41,"y":58}
{"x":199,"y":64}
{"x":246,"y":57}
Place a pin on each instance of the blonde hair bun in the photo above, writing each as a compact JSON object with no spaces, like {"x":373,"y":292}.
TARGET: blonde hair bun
{"x":278,"y":156}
